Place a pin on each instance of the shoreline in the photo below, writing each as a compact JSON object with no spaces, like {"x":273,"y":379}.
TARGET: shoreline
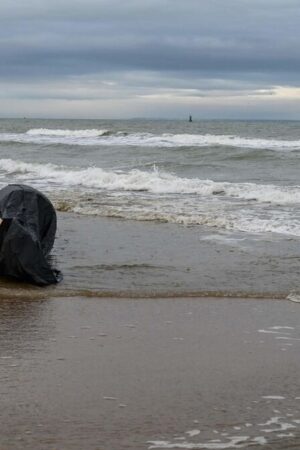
{"x":12,"y":290}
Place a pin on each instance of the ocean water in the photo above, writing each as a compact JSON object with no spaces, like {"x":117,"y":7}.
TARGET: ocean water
{"x":166,"y":207}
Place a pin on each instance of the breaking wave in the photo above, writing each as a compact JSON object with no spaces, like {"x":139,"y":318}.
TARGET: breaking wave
{"x":66,"y":133}
{"x":183,"y":213}
{"x":107,"y":137}
{"x":155,"y":182}
{"x":162,"y":196}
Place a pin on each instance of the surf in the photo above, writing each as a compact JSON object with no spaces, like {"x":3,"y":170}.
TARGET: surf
{"x":154,"y":181}
{"x":101,"y":137}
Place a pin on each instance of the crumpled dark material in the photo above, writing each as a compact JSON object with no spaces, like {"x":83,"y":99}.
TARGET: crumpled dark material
{"x":27,"y":235}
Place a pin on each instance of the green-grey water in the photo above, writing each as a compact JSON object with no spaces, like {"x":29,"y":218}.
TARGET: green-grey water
{"x":165,"y":207}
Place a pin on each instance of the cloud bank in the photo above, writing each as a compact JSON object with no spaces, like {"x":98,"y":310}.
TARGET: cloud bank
{"x":150,"y":58}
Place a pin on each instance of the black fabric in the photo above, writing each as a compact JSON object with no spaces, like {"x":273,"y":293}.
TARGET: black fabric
{"x":27,"y":235}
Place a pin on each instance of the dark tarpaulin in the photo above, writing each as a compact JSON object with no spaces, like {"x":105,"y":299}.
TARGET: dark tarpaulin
{"x":27,"y":235}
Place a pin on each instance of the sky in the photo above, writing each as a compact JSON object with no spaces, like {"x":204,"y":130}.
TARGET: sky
{"x":214,"y":59}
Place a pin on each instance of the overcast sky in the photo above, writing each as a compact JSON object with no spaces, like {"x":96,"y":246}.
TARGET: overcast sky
{"x":150,"y":58}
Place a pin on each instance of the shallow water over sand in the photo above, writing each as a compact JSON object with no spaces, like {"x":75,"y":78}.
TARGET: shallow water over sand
{"x":110,"y":255}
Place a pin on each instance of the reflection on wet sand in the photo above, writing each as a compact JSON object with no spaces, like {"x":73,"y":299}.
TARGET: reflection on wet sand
{"x":136,"y":374}
{"x":21,"y":322}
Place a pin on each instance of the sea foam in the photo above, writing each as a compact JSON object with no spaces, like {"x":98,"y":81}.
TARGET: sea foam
{"x":100,"y":137}
{"x":159,"y":195}
{"x":66,"y":133}
{"x":155,"y":181}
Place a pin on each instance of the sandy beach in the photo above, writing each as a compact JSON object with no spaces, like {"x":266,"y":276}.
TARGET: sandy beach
{"x":114,"y":374}
{"x":171,"y":328}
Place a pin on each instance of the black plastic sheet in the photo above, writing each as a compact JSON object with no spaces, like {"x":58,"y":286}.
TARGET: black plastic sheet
{"x":27,"y":234}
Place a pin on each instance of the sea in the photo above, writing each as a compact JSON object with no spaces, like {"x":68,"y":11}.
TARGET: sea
{"x":164,"y":207}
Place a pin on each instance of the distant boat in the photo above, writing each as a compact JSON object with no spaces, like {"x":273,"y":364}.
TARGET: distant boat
{"x":190,"y":119}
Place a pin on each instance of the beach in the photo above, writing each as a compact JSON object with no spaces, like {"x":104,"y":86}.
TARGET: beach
{"x":150,"y":208}
{"x":176,"y":323}
{"x":149,"y":373}
{"x":149,"y":225}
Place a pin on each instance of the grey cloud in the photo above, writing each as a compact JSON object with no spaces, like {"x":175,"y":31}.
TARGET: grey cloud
{"x":48,"y":62}
{"x":130,"y":87}
{"x":145,"y":46}
{"x":206,"y":41}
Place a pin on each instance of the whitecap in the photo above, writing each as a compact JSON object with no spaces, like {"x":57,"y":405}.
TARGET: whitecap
{"x":66,"y":133}
{"x":142,"y":139}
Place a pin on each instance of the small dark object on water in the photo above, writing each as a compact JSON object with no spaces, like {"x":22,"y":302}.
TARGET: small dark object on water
{"x":27,"y":234}
{"x":190,"y":119}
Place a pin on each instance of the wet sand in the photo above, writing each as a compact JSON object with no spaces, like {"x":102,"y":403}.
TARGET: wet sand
{"x":114,"y":374}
